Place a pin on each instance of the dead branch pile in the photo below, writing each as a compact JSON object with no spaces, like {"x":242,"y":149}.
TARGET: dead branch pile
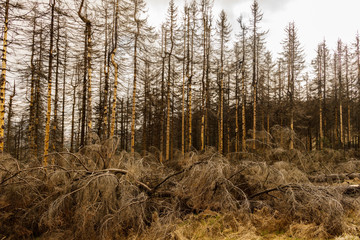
{"x":95,"y":194}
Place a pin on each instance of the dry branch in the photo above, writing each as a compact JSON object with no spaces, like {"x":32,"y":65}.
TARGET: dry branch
{"x":334,"y":177}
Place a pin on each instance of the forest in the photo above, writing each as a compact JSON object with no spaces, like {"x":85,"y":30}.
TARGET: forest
{"x":111,"y":128}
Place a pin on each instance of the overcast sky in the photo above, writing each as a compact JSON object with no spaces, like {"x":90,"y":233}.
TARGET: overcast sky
{"x":315,"y":19}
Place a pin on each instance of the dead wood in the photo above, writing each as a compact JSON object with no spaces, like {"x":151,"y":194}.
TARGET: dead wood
{"x":341,"y":177}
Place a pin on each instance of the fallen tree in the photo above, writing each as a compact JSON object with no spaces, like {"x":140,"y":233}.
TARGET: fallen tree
{"x":139,"y":196}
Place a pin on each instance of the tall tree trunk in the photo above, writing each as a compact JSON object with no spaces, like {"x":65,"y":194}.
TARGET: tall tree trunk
{"x":168,"y":99}
{"x":10,"y":115}
{"x":32,"y":94}
{"x":237,"y":134}
{"x":133,"y":112}
{"x":87,"y":83}
{"x":243,"y":120}
{"x":321,"y":137}
{"x":203,"y":87}
{"x":228,"y":143}
{"x":38,"y":98}
{"x":47,"y":128}
{"x":348,"y":101}
{"x":167,"y":145}
{"x":56,"y":97}
{"x":73,"y":119}
{"x":64,"y":95}
{"x":254,"y":115}
{"x":104,"y":101}
{"x":340,"y":93}
{"x":3,"y":77}
{"x":163,"y":52}
{"x":183,"y":92}
{"x":113,"y":62}
{"x":145,"y":109}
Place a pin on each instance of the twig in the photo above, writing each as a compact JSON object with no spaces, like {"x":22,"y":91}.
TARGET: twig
{"x":175,"y":174}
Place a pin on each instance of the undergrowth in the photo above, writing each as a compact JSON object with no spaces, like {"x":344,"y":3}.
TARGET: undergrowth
{"x":100,"y":194}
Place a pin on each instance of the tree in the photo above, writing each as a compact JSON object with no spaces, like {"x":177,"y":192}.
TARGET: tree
{"x":140,"y":32}
{"x":319,"y":70}
{"x":256,"y":45}
{"x":268,"y":69}
{"x":223,"y":30}
{"x":294,"y":60}
{"x":340,"y":81}
{"x":87,"y":102}
{"x":243,"y":91}
{"x":3,"y":76}
{"x":49,"y":78}
{"x":172,"y":14}
{"x":115,"y":65}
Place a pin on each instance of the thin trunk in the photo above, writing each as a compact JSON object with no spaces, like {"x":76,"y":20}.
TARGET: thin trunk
{"x":321,"y":124}
{"x":336,"y":127}
{"x":320,"y":100}
{"x":190,"y":79}
{"x":89,"y":100}
{"x":243,"y":120}
{"x":340,"y":93}
{"x":167,"y":149}
{"x":64,"y":96}
{"x":73,"y":120}
{"x":145,"y":110}
{"x":202,"y":133}
{"x":347,"y":95}
{"x":37,"y":101}
{"x":56,"y":97}
{"x":162,"y":95}
{"x":167,"y":145}
{"x":254,"y":78}
{"x":228,"y":116}
{"x":9,"y":121}
{"x":254,"y":117}
{"x":3,"y":77}
{"x":32,"y":95}
{"x":183,"y":96}
{"x":237,"y":137}
{"x":133,"y":112}
{"x":113,"y":109}
{"x":47,"y":128}
{"x":104,"y":112}
{"x":88,"y":69}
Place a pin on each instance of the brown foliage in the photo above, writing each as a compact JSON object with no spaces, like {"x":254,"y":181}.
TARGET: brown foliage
{"x":97,"y":194}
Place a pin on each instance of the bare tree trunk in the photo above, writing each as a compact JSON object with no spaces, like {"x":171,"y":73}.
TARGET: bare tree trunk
{"x":64,"y":95}
{"x":56,"y":97}
{"x":32,"y":94}
{"x":47,"y":128}
{"x":254,"y":116}
{"x":89,"y":72}
{"x":162,"y":95}
{"x":113,"y":109}
{"x":183,"y":93}
{"x":73,"y":118}
{"x":10,"y":115}
{"x":3,"y":77}
{"x":243,"y":120}
{"x":237,"y":137}
{"x":340,"y":93}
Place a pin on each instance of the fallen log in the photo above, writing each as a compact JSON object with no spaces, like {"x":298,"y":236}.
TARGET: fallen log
{"x":344,"y":189}
{"x":334,"y":177}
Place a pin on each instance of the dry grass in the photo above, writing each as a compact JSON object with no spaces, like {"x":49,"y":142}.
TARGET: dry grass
{"x":97,"y":194}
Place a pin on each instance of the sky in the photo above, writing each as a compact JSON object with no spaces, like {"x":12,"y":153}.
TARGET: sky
{"x":315,"y":20}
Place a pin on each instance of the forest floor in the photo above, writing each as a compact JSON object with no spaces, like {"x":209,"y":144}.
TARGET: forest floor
{"x":99,"y":193}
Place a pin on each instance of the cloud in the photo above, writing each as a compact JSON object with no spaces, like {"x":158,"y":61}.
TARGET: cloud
{"x":273,"y":5}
